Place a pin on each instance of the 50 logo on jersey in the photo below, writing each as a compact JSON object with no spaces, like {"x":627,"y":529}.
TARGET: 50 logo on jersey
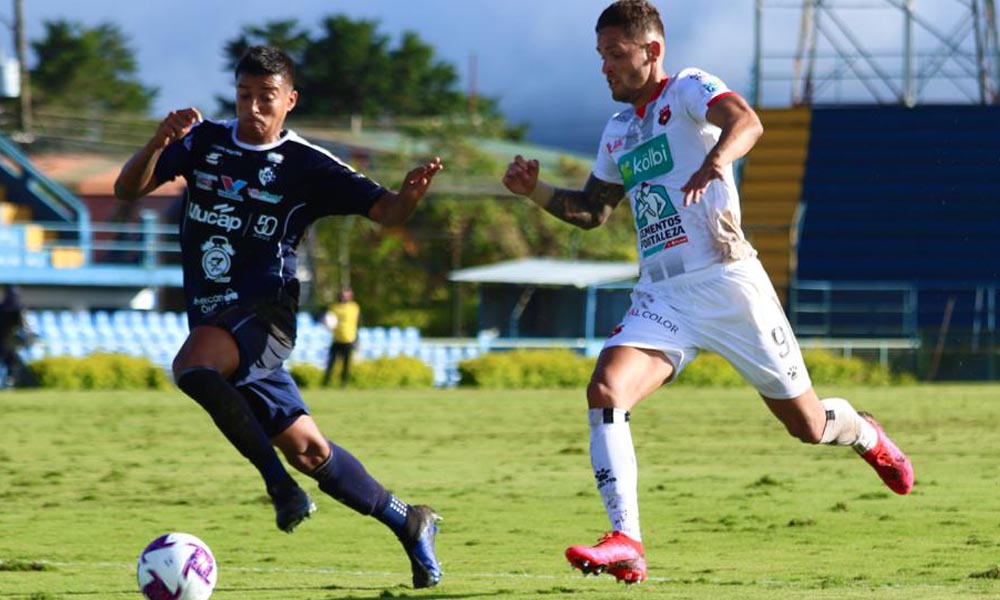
{"x":265,"y":227}
{"x":216,"y":259}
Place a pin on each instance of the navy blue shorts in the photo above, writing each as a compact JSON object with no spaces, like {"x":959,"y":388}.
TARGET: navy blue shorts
{"x":265,"y":335}
{"x":275,"y":401}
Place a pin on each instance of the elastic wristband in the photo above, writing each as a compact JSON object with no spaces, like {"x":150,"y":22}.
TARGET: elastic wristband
{"x":542,"y":193}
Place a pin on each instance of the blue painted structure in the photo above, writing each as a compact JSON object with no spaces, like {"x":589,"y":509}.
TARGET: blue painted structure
{"x":906,"y":198}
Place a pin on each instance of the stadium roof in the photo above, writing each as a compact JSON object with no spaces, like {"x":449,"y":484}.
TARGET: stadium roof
{"x":549,"y":272}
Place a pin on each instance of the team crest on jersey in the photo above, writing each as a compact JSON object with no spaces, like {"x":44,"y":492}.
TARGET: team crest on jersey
{"x":266,"y":175}
{"x":217,"y":258}
{"x":664,"y":115}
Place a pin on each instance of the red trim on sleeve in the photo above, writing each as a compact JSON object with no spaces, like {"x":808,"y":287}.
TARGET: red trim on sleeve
{"x":641,"y":111}
{"x":720,"y":97}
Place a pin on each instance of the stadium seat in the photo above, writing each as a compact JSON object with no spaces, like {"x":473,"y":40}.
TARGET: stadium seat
{"x":31,"y":320}
{"x":378,"y":336}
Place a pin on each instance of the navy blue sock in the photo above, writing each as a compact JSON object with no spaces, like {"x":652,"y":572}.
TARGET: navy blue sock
{"x":343,"y":477}
{"x":233,"y":417}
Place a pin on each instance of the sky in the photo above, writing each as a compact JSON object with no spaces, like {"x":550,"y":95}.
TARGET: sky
{"x":536,"y":56}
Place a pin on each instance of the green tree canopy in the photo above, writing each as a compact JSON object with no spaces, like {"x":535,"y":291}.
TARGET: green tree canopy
{"x":90,"y":67}
{"x":349,"y":67}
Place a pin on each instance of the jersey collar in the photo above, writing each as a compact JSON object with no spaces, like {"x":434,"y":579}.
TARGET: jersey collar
{"x":641,"y":111}
{"x":285,"y":134}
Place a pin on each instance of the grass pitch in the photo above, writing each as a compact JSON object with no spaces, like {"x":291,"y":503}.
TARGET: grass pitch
{"x":732,"y":507}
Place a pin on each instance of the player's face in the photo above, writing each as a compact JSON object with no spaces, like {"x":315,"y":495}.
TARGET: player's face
{"x":627,"y":64}
{"x":262,"y":103}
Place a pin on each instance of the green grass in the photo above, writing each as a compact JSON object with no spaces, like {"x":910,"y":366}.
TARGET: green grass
{"x":732,"y":507}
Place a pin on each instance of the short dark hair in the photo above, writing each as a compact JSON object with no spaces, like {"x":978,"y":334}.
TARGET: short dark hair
{"x":635,"y":17}
{"x":266,"y":60}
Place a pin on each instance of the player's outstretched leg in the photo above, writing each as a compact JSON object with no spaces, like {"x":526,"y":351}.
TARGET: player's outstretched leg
{"x":343,"y":477}
{"x":615,"y":554}
{"x":891,"y":464}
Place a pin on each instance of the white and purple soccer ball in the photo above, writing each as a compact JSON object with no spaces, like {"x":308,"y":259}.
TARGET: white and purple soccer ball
{"x":176,"y":566}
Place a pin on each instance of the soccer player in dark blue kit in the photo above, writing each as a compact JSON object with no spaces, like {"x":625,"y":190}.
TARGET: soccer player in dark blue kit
{"x":253,"y":189}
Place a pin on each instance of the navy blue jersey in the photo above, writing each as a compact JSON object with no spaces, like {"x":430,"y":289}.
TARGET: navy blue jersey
{"x":247,"y":208}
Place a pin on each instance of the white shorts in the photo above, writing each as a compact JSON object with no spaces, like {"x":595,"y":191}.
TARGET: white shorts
{"x":730,"y":309}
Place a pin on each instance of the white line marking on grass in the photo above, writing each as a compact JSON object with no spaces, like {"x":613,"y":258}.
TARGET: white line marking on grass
{"x":332,"y":571}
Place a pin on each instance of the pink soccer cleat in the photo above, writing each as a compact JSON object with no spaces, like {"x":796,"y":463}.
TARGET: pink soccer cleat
{"x":888,"y":460}
{"x":615,"y":554}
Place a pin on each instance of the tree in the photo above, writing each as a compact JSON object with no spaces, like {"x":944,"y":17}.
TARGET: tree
{"x":88,"y":67}
{"x":346,"y":70}
{"x":350,"y":68}
{"x":420,"y":85}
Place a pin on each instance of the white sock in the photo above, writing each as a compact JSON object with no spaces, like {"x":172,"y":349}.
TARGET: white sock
{"x":845,"y":427}
{"x":613,"y":457}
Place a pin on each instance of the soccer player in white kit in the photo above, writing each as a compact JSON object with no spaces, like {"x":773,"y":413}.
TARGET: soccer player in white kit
{"x":701,"y":286}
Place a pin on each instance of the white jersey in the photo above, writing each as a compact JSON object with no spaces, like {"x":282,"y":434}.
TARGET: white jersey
{"x":653,"y":152}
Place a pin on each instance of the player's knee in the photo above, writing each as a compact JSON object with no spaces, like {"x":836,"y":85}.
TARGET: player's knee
{"x":307,"y":458}
{"x":601,"y":394}
{"x":805,"y":432}
{"x":178,"y":367}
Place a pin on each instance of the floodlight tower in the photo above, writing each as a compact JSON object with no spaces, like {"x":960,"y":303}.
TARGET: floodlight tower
{"x":947,"y":50}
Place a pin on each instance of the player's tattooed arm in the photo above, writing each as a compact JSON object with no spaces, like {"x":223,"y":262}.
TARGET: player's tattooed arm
{"x":587,"y":208}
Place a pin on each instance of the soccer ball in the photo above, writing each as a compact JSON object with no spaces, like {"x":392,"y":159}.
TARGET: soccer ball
{"x":176,"y":566}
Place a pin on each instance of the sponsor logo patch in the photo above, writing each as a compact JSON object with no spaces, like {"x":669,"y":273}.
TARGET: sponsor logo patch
{"x":231,"y":188}
{"x":204,"y":181}
{"x":217,"y":258}
{"x":650,"y":159}
{"x":219,"y":216}
{"x":656,"y":219}
{"x":264,"y":196}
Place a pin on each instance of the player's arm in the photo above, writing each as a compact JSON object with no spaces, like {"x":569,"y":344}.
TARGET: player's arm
{"x":393,"y":208}
{"x":587,"y":208}
{"x":136,"y":178}
{"x":741,"y":128}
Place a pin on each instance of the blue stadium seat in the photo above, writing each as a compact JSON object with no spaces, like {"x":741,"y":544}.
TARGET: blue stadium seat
{"x":31,"y":320}
{"x":378,"y":336}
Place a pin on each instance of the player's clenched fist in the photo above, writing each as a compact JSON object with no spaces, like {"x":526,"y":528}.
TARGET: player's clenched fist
{"x":521,"y":176}
{"x":175,"y":126}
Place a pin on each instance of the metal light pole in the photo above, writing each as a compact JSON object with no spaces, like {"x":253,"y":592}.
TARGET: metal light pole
{"x":24,"y":114}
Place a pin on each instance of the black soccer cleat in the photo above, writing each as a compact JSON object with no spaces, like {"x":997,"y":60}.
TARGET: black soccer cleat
{"x":291,"y":508}
{"x":418,"y":541}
